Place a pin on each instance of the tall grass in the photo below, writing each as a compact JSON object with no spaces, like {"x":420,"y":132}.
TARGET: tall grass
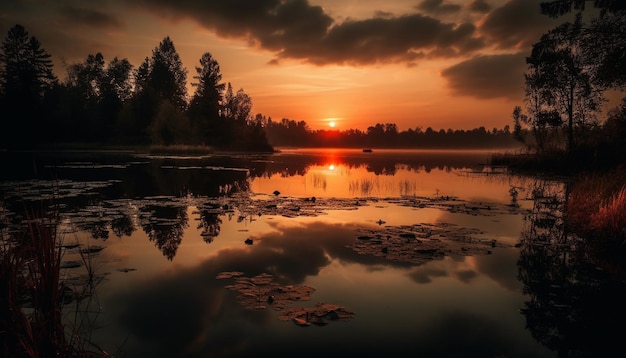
{"x":30,"y":271}
{"x":611,"y":216}
{"x":596,"y":211}
{"x":31,"y":306}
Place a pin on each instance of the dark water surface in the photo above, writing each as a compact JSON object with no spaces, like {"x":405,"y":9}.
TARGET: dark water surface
{"x":433,"y":252}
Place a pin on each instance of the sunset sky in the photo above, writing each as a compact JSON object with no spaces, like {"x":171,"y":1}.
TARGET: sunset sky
{"x":417,"y":63}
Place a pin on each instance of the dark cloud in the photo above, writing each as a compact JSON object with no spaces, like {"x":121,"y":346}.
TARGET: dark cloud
{"x":437,"y":7}
{"x":294,"y":29}
{"x":466,"y":276}
{"x":426,"y":274}
{"x":479,"y":6}
{"x":88,"y":17}
{"x":379,"y":13}
{"x":488,"y":76}
{"x":517,"y":24}
{"x":63,"y":44}
{"x":400,"y":39}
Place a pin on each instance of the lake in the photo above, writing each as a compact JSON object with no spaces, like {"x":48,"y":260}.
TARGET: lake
{"x":315,"y":252}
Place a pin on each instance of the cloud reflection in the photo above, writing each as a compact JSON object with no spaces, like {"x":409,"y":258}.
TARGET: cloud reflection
{"x":189,"y":310}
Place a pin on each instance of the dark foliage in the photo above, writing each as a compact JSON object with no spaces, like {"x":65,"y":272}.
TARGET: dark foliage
{"x":112,"y":103}
{"x":297,"y":134}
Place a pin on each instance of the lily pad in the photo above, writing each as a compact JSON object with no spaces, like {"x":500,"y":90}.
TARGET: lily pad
{"x":260,"y":292}
{"x":320,"y":315}
{"x":229,"y":274}
{"x":421,"y":243}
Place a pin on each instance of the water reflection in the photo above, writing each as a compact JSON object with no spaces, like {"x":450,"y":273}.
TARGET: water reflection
{"x":210,"y":221}
{"x":574,"y":308}
{"x":113,"y":192}
{"x":165,"y":226}
{"x":349,"y":173}
{"x":339,"y":173}
{"x":196,"y":315}
{"x":184,"y":220}
{"x":200,"y":313}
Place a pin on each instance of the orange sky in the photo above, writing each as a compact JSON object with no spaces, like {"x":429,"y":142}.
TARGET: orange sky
{"x":417,"y":63}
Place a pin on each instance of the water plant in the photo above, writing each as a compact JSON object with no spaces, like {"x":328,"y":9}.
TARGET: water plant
{"x":596,"y":211}
{"x":32,"y":322}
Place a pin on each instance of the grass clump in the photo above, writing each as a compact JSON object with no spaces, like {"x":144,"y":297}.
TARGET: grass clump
{"x":31,"y":306}
{"x":596,"y":211}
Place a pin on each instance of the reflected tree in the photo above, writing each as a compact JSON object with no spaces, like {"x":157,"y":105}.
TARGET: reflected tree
{"x":382,"y":168}
{"x":165,"y":226}
{"x":573,"y":308}
{"x":122,"y":225}
{"x":210,"y":221}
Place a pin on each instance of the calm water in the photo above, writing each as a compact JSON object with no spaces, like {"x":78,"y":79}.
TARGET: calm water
{"x":357,"y":229}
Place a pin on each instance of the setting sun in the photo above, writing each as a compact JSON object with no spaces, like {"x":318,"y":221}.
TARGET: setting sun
{"x":332,"y":124}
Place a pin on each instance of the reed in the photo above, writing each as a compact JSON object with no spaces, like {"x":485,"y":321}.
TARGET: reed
{"x":596,"y":211}
{"x":31,"y":308}
{"x":596,"y":202}
{"x":30,"y":271}
{"x":610,"y":218}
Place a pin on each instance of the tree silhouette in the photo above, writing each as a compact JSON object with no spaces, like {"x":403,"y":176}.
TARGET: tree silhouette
{"x":93,"y":96}
{"x":205,"y":105}
{"x":147,"y":117}
{"x":237,"y":106}
{"x":605,"y":36}
{"x":569,"y":71}
{"x":170,"y":125}
{"x":25,"y":78}
{"x":559,"y":69}
{"x":117,"y":86}
{"x":167,"y":76}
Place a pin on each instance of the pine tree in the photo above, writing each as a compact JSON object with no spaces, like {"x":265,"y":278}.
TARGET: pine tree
{"x":25,"y":78}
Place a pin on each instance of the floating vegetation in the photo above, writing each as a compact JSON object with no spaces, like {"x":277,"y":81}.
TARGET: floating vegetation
{"x":455,"y":205}
{"x":260,"y":292}
{"x":320,"y":315}
{"x":259,"y":205}
{"x":37,"y":190}
{"x":229,"y":274}
{"x":421,"y":243}
{"x":89,"y":165}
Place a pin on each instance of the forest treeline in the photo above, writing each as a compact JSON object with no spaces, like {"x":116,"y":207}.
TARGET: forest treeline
{"x":291,"y":133}
{"x":112,"y":102}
